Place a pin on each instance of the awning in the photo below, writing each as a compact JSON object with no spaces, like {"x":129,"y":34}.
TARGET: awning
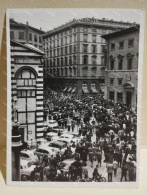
{"x":70,"y":89}
{"x":65,"y":89}
{"x":74,"y":89}
{"x":85,"y":89}
{"x":93,"y":89}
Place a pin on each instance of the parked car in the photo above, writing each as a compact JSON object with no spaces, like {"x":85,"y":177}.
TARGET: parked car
{"x":44,"y":150}
{"x":53,"y":132}
{"x":58,"y":146}
{"x":26,"y":169}
{"x":29,"y":156}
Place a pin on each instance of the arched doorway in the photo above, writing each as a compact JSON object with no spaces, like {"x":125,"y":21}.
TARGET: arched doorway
{"x":26,"y":100}
{"x":129,"y":90}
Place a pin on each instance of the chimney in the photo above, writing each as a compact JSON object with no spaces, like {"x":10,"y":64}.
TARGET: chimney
{"x":27,"y":23}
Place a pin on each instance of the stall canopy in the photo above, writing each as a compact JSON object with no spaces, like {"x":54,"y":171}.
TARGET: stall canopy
{"x":65,"y":89}
{"x":85,"y":89}
{"x":93,"y":88}
{"x":70,"y":89}
{"x":74,"y":89}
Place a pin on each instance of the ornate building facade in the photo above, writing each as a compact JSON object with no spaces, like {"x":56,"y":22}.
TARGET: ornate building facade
{"x":74,"y":59}
{"x":27,"y":89}
{"x":122,"y":65}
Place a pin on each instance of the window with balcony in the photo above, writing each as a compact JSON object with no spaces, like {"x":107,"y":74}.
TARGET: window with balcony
{"x":85,"y":37}
{"x":85,"y":59}
{"x":85,"y":48}
{"x":66,"y":50}
{"x":94,"y":49}
{"x":70,"y":60}
{"x":119,"y":97}
{"x":74,"y":60}
{"x":94,"y":60}
{"x":70,"y":49}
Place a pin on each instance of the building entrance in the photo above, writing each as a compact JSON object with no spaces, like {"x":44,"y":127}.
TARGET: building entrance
{"x":128,"y":98}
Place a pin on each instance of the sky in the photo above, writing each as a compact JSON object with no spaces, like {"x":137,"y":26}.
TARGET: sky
{"x":48,"y":19}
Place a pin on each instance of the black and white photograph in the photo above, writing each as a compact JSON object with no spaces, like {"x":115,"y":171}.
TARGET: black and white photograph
{"x":74,"y":96}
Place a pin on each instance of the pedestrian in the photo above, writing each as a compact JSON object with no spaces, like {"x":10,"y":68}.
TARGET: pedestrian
{"x":115,"y":167}
{"x":124,"y":171}
{"x":110,"y":171}
{"x":95,"y":172}
{"x":91,"y":156}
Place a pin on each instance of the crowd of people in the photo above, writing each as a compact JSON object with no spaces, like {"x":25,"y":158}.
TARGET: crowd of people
{"x":108,"y":133}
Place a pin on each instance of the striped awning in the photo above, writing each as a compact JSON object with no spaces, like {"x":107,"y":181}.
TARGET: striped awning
{"x":74,"y":89}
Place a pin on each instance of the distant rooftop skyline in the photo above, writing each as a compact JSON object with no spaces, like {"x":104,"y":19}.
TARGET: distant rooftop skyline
{"x":48,"y":19}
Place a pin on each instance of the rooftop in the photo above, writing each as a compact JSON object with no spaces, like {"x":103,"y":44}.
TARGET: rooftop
{"x":132,"y":29}
{"x":91,"y":21}
{"x":13,"y":23}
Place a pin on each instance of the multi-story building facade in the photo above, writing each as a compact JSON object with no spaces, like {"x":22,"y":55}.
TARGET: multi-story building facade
{"x":24,"y":33}
{"x":122,"y":65}
{"x":74,"y":54}
{"x":27,"y":89}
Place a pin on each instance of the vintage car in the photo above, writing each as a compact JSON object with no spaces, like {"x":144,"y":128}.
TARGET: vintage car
{"x":53,"y":132}
{"x":44,"y":150}
{"x":26,"y":169}
{"x":29,"y":156}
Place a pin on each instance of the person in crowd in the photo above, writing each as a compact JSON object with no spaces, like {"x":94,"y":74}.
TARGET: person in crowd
{"x":110,"y":171}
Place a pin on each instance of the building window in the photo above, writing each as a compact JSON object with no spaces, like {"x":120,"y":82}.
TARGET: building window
{"x":58,"y":62}
{"x":120,"y":64}
{"x":119,"y":97}
{"x":111,"y":81}
{"x":51,"y":63}
{"x":74,"y":60}
{"x":70,"y":38}
{"x":58,"y":42}
{"x":50,"y":53}
{"x":70,"y":49}
{"x":21,"y":35}
{"x":111,"y":95}
{"x":40,"y":39}
{"x":85,"y":59}
{"x":85,"y":48}
{"x":130,"y":42}
{"x":112,"y":46}
{"x":94,"y":60}
{"x":61,"y":61}
{"x":75,"y":37}
{"x":121,"y":45}
{"x":26,"y":93}
{"x":54,"y":52}
{"x":70,"y":60}
{"x":93,"y":48}
{"x":66,"y":50}
{"x":61,"y":41}
{"x":130,"y":61}
{"x":58,"y":52}
{"x":66,"y":61}
{"x":75,"y":48}
{"x":85,"y":37}
{"x":66,"y":40}
{"x":112,"y":64}
{"x":94,"y":38}
{"x":120,"y":81}
{"x":54,"y":62}
{"x":26,"y":77}
{"x":30,"y":36}
{"x":35,"y":38}
{"x":62,"y":51}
